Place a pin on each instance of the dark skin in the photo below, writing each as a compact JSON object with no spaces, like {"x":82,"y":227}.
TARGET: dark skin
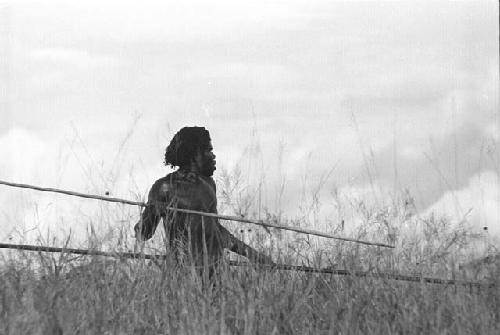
{"x":203,"y":238}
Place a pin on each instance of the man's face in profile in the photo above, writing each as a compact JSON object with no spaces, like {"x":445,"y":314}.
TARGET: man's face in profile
{"x":206,"y":161}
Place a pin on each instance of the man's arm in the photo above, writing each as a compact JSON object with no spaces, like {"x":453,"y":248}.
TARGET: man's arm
{"x":150,"y":217}
{"x":235,"y":245}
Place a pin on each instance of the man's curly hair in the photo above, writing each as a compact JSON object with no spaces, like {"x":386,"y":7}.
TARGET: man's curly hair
{"x":185,"y":144}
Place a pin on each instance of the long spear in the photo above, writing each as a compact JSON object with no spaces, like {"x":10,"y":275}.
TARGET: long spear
{"x":301,"y":268}
{"x":223,"y":217}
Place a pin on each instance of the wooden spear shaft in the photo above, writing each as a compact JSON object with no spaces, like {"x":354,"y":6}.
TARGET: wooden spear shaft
{"x":89,"y":252}
{"x":188,"y":211}
{"x":301,"y":268}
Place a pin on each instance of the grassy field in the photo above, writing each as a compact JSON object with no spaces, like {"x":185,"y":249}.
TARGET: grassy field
{"x":132,"y":297}
{"x":62,"y":294}
{"x":57,"y":294}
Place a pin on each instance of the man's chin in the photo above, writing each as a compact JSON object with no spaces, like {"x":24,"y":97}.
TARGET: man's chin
{"x":209,"y":172}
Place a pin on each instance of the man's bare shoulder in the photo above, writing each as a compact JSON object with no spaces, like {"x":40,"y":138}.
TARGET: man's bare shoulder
{"x":179,"y":180}
{"x":162,"y":185}
{"x":162,"y":180}
{"x":176,"y":179}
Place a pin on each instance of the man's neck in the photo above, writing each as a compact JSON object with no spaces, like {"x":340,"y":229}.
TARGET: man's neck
{"x":193,"y":168}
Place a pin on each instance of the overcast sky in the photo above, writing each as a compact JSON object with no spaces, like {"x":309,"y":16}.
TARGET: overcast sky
{"x":365,"y":98}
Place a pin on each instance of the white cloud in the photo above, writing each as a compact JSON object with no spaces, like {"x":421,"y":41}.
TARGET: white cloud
{"x":60,"y":70}
{"x":492,"y":131}
{"x":31,"y":159}
{"x":23,"y":154}
{"x":259,"y":78}
{"x":24,"y":159}
{"x":158,"y":20}
{"x":481,"y":196}
{"x":73,"y":57}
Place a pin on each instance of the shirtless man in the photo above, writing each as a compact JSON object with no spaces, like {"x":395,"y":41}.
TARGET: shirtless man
{"x":199,"y":239}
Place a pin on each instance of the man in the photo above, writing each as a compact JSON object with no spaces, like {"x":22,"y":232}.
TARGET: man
{"x":198,"y":239}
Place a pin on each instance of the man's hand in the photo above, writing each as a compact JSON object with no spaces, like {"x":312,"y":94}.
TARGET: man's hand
{"x":137,"y":230}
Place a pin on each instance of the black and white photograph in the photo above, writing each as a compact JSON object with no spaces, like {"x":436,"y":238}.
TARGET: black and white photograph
{"x":249,"y":167}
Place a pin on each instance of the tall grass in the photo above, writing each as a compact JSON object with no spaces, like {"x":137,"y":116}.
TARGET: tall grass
{"x":132,"y":297}
{"x":58,"y":294}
